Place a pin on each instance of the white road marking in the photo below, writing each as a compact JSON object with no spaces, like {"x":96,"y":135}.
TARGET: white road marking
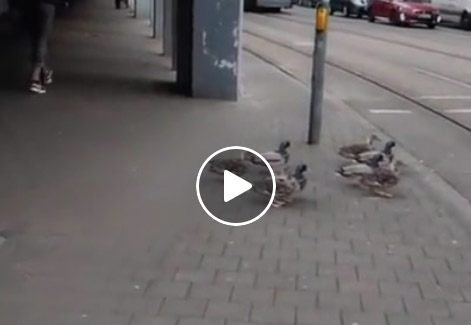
{"x":304,"y":43}
{"x":459,"y":111}
{"x":445,"y":78}
{"x":390,"y":111}
{"x":445,"y":97}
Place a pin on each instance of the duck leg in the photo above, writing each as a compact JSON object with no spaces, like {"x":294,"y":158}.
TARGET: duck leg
{"x":382,"y":193}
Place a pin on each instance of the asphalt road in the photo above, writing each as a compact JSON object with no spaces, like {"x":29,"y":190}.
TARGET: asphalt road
{"x":429,"y":66}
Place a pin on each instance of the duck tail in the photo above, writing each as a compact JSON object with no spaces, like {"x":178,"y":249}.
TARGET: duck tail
{"x":340,"y":172}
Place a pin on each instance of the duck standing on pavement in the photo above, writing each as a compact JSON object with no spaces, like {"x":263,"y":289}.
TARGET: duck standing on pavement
{"x":287,"y":185}
{"x":383,"y":177}
{"x":277,"y":159}
{"x":353,"y":150}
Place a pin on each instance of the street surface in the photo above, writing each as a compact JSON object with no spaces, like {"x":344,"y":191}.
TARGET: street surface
{"x":430,"y":67}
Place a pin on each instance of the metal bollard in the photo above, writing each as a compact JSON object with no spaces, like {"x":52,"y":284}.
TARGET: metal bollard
{"x":317,"y":78}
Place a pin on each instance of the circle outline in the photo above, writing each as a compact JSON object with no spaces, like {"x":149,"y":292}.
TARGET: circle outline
{"x":235,"y":224}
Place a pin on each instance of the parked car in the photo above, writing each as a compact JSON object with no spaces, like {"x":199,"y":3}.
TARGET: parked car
{"x":349,"y":7}
{"x":251,"y":5}
{"x":455,"y":11}
{"x":307,"y":3}
{"x":405,"y":12}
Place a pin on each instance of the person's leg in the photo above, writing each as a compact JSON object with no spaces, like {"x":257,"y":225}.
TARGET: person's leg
{"x":47,"y":13}
{"x":117,"y":4}
{"x":40,"y":39}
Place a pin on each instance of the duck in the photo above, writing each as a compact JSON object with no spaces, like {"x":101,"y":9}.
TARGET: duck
{"x":236,"y":166}
{"x":352,"y":151}
{"x":286,"y":186}
{"x":382,"y":178}
{"x":358,"y":169}
{"x":368,"y":155}
{"x":277,"y":159}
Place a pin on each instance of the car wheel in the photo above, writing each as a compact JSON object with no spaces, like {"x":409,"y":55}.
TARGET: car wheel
{"x":431,"y":25}
{"x":346,"y":11}
{"x":465,"y":21}
{"x":394,"y":19}
{"x":371,"y":17}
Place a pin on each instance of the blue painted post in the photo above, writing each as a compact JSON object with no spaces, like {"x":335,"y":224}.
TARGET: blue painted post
{"x":143,"y":8}
{"x":211,"y":68}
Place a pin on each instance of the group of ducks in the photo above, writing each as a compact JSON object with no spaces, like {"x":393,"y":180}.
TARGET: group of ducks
{"x":289,"y":179}
{"x":374,"y":169}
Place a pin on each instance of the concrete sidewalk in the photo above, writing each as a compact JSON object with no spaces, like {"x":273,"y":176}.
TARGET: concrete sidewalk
{"x":103,"y":225}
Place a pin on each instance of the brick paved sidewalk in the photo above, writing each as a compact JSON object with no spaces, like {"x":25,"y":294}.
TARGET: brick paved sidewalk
{"x":336,"y":257}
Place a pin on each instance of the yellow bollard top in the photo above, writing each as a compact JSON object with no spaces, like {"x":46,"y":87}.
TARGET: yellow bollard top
{"x":322,"y":15}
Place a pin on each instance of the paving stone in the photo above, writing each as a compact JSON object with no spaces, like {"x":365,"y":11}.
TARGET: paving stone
{"x":327,"y":245}
{"x":168,"y":289}
{"x":184,"y":261}
{"x":195,"y":276}
{"x":180,"y":307}
{"x":373,"y":318}
{"x":296,"y":298}
{"x":154,"y":321}
{"x":207,"y":248}
{"x":393,"y":262}
{"x":345,"y":272}
{"x":143,"y":306}
{"x":276,"y":280}
{"x":399,"y":289}
{"x":198,"y":321}
{"x":314,"y":283}
{"x":271,"y":314}
{"x":460,"y":310}
{"x":413,"y":319}
{"x":430,"y":291}
{"x":346,"y":302}
{"x":306,"y":315}
{"x":244,"y":250}
{"x":286,"y":253}
{"x":254,"y":295}
{"x":225,"y":310}
{"x":264,"y":265}
{"x":298,"y":267}
{"x":376,"y":274}
{"x":210,"y":291}
{"x":414,"y":277}
{"x":226,"y":263}
{"x":236,"y":278}
{"x":386,"y":304}
{"x":368,"y":288}
{"x":416,"y":305}
{"x":318,"y":255}
{"x":354,"y":259}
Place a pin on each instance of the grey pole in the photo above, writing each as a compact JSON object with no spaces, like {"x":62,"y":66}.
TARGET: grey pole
{"x":317,"y":78}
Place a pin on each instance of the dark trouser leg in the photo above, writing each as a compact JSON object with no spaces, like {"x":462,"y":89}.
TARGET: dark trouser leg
{"x":117,"y":4}
{"x":40,"y":38}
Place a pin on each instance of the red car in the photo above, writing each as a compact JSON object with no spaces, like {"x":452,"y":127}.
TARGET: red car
{"x":405,"y":12}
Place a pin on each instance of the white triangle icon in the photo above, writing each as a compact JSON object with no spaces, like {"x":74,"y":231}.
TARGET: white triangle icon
{"x":234,"y":186}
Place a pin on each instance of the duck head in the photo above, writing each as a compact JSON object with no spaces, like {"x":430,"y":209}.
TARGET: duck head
{"x":388,"y":147}
{"x":376,"y":160}
{"x":282,"y":150}
{"x":372,"y":139}
{"x":299,"y":175}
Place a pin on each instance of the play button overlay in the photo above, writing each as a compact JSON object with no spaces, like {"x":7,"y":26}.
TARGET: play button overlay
{"x":234,"y":186}
{"x":226,"y":186}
